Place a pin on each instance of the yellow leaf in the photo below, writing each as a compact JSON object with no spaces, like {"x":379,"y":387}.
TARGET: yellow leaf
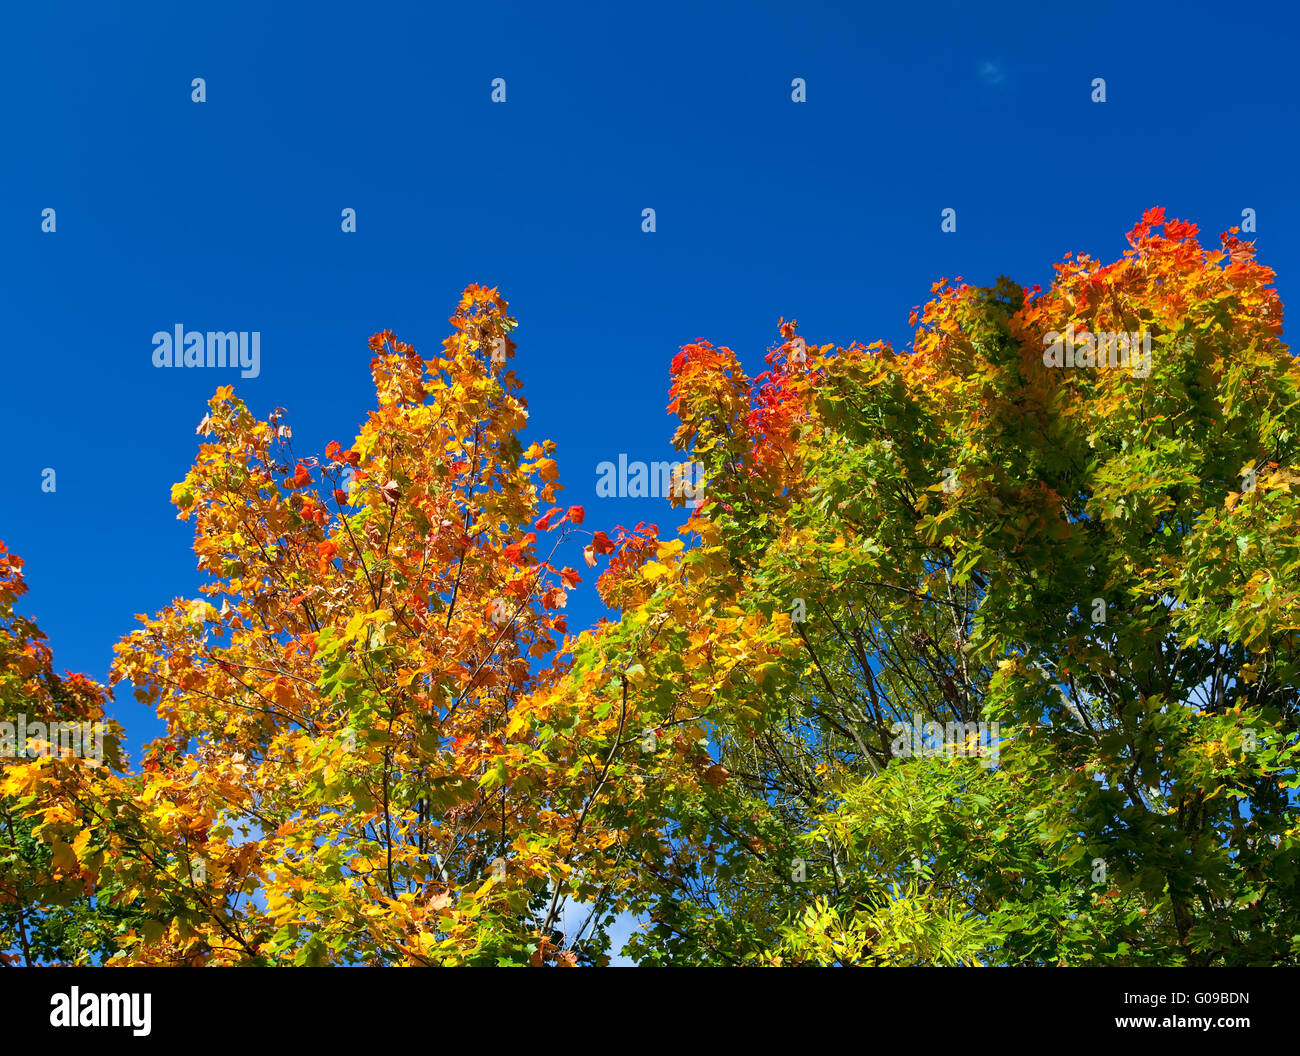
{"x":354,"y":627}
{"x":62,"y":856}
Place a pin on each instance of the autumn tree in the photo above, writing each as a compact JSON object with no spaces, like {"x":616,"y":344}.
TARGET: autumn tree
{"x":51,"y":911}
{"x":1099,"y":559}
{"x":346,"y":776}
{"x":1072,"y":555}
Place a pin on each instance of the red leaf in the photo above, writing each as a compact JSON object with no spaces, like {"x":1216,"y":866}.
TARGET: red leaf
{"x":514,"y":553}
{"x":300,"y":479}
{"x":544,"y":523}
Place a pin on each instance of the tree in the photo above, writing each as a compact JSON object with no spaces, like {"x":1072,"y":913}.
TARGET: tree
{"x":50,"y":909}
{"x":345,"y":778}
{"x":1101,"y":561}
{"x":980,"y":653}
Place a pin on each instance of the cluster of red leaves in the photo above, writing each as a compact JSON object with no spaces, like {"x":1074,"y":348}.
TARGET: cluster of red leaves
{"x":778,"y":400}
{"x":631,"y":550}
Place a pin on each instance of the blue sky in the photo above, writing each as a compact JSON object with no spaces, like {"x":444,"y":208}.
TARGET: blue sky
{"x":225,"y":215}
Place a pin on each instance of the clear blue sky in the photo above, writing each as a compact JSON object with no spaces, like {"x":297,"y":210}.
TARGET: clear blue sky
{"x":225,"y":215}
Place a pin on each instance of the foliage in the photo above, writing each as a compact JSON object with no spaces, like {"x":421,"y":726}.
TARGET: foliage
{"x":948,"y":520}
{"x":51,"y":911}
{"x":384,"y":746}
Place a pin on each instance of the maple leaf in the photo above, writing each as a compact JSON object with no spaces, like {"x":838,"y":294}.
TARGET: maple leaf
{"x":544,"y":522}
{"x":514,"y":553}
{"x":300,"y":479}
